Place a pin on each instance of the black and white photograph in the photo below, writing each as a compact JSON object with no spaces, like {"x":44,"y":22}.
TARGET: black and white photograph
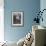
{"x":17,"y":18}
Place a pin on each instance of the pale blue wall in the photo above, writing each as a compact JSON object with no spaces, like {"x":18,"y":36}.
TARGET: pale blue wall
{"x":29,"y":7}
{"x":43,"y":6}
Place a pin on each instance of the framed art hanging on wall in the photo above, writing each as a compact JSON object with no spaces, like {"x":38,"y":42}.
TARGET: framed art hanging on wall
{"x":17,"y":18}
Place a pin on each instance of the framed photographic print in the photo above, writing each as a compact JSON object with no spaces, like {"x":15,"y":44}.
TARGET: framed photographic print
{"x":17,"y":18}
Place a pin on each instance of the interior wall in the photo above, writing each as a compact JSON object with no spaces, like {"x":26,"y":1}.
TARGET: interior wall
{"x":43,"y":6}
{"x":1,"y":20}
{"x":29,"y":7}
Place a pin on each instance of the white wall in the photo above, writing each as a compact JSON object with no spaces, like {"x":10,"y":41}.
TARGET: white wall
{"x":1,"y":20}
